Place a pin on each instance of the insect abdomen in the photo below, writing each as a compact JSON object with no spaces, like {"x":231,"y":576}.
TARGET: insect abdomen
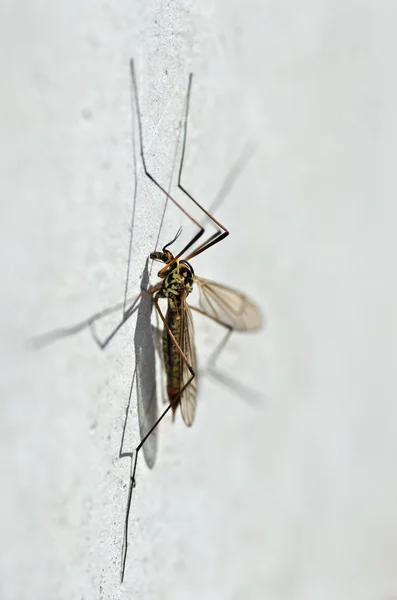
{"x":172,"y":357}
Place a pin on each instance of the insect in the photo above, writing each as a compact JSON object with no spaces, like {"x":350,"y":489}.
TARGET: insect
{"x":226,"y":306}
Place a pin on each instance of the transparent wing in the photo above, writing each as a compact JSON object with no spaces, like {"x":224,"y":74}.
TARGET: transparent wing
{"x":188,"y":397}
{"x":229,"y":306}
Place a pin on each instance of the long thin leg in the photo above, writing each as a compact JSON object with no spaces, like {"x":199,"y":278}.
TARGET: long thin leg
{"x":206,"y":244}
{"x":157,"y":335}
{"x":150,"y":176}
{"x":166,"y":202}
{"x":131,"y":487}
{"x":156,"y":303}
{"x":222,"y":231}
{"x":148,"y":434}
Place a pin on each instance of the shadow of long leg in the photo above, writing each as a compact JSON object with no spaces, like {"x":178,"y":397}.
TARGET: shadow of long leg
{"x":132,"y":223}
{"x":249,"y":395}
{"x":127,"y":314}
{"x":232,"y":177}
{"x":42,"y":340}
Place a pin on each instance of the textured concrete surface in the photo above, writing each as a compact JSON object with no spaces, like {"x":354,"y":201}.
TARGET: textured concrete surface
{"x":286,"y":486}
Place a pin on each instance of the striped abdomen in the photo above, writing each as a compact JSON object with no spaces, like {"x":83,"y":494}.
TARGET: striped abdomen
{"x":172,"y":357}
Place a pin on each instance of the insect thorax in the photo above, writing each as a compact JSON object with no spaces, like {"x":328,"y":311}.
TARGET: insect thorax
{"x":178,"y":281}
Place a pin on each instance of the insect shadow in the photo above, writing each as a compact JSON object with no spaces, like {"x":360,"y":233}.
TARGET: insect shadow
{"x":144,"y":377}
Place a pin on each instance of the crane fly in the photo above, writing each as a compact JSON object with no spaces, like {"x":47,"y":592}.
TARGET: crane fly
{"x":228,"y":307}
{"x":224,"y":305}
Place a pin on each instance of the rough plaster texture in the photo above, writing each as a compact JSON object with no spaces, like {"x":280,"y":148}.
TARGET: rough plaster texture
{"x":286,"y":486}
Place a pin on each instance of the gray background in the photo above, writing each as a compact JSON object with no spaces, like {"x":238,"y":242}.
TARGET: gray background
{"x":286,"y":486}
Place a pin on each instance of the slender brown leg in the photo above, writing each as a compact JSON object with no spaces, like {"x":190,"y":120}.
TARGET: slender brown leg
{"x":152,"y":178}
{"x":222,"y":231}
{"x":237,"y":168}
{"x":156,"y":303}
{"x":146,"y":436}
{"x":206,"y":244}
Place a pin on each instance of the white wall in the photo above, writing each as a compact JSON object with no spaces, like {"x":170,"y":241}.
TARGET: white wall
{"x":286,"y":489}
